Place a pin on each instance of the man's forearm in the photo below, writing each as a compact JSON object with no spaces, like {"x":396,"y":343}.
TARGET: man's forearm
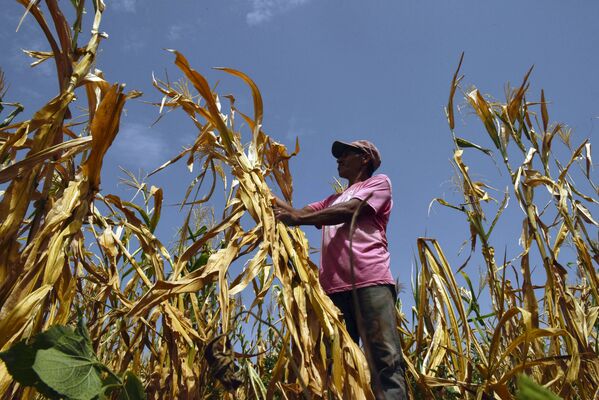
{"x":334,"y":215}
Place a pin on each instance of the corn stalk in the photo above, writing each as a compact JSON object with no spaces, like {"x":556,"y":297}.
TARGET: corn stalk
{"x":37,"y":282}
{"x":553,"y":337}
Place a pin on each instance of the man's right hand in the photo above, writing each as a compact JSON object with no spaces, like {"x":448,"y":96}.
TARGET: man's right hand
{"x":277,"y":202}
{"x":289,"y":217}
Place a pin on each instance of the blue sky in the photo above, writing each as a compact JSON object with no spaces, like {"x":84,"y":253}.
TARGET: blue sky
{"x":339,"y":69}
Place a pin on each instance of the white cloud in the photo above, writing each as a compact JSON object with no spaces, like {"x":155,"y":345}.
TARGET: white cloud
{"x":124,"y":5}
{"x":178,"y":31}
{"x":134,"y":42}
{"x":296,"y":130}
{"x":133,"y":46}
{"x":29,"y":93}
{"x":264,"y":10}
{"x":174,"y":32}
{"x":139,"y":146}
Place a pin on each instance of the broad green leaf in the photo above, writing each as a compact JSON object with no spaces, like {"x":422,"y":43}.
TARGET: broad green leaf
{"x":71,"y":376}
{"x":132,"y":388}
{"x":59,"y":363}
{"x":51,"y":337}
{"x":19,"y":361}
{"x":529,"y":390}
{"x":65,"y":339}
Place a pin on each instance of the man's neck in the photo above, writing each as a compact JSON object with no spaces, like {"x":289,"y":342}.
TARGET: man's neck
{"x":362,"y":176}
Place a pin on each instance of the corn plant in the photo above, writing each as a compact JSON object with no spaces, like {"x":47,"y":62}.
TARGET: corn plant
{"x":170,"y":318}
{"x":52,"y":173}
{"x":543,"y":324}
{"x":233,"y":308}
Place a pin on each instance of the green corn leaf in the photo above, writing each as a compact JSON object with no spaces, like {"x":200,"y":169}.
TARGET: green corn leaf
{"x":19,"y":108}
{"x":462,"y":143}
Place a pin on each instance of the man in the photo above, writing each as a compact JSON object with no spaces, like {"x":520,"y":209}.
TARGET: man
{"x":359,"y":281}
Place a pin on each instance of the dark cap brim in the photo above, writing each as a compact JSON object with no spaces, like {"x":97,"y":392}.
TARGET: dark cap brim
{"x":339,"y":147}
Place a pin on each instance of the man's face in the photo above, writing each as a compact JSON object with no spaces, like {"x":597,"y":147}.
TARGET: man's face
{"x":350,"y":162}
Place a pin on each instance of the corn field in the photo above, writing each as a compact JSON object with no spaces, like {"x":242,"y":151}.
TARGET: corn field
{"x":234,"y":309}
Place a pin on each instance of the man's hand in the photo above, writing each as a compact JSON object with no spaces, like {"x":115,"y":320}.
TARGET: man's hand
{"x":289,"y":217}
{"x":285,"y":213}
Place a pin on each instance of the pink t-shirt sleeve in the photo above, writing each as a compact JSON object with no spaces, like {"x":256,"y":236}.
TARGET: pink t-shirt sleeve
{"x":322,"y":204}
{"x":379,"y":190}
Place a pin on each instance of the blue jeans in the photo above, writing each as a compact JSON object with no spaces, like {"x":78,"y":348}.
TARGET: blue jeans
{"x":375,"y":307}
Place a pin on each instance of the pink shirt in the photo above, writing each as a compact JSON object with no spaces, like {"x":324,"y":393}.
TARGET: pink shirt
{"x":371,"y":256}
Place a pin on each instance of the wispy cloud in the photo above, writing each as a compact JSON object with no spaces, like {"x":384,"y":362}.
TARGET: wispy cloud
{"x":178,"y":31}
{"x":264,"y":10}
{"x":139,"y":146}
{"x":124,"y":5}
{"x":297,"y":130}
{"x":27,"y":92}
{"x":134,"y":43}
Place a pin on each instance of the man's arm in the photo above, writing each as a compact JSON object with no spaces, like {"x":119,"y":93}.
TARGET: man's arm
{"x":334,"y":215}
{"x":281,"y":208}
{"x":279,"y":203}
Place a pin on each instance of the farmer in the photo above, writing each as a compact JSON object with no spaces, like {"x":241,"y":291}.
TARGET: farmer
{"x":359,"y":282}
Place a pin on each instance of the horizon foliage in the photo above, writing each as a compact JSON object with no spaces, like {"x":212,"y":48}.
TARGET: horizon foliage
{"x":174,"y":316}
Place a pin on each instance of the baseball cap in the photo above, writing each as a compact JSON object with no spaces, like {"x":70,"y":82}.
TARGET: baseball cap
{"x":364,"y":146}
